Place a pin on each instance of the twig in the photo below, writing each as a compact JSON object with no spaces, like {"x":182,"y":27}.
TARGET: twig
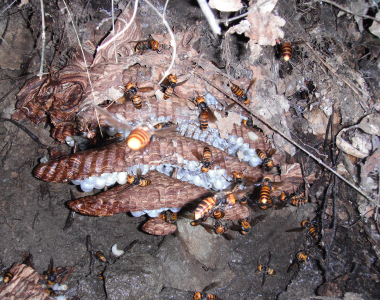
{"x":354,"y":88}
{"x":289,"y":139}
{"x":105,"y":44}
{"x":7,"y":7}
{"x":43,"y":39}
{"x":10,"y":91}
{"x":4,"y":32}
{"x":27,"y":131}
{"x":328,"y":192}
{"x":209,"y":16}
{"x":235,"y":18}
{"x":348,"y":11}
{"x":172,"y":42}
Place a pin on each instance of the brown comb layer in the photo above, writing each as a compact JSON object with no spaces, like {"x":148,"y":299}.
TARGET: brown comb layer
{"x":164,"y":191}
{"x":118,"y":157}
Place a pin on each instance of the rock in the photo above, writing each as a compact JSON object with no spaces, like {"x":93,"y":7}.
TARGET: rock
{"x":17,"y":44}
{"x":89,"y":288}
{"x":188,"y":260}
{"x":135,"y":275}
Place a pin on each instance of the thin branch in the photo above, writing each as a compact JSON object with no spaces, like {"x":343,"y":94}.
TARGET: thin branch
{"x":27,"y":131}
{"x":235,"y":18}
{"x":348,"y":11}
{"x":209,"y":16}
{"x":318,"y":160}
{"x":173,"y":43}
{"x":104,"y":45}
{"x":7,"y":7}
{"x":43,"y":40}
{"x":10,"y":91}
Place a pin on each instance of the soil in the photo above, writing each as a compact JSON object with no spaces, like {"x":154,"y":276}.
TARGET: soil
{"x":344,"y":262}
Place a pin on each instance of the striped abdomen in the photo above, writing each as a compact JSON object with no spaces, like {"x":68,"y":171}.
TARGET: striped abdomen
{"x":286,"y":51}
{"x":261,"y":154}
{"x":204,"y":207}
{"x":203,"y":119}
{"x":138,"y":139}
{"x":144,"y":182}
{"x":168,"y":93}
{"x":265,"y":195}
{"x":236,"y":90}
{"x":141,"y":46}
{"x":136,"y":99}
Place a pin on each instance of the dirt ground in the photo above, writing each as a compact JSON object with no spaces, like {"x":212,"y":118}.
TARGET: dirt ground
{"x":332,"y":49}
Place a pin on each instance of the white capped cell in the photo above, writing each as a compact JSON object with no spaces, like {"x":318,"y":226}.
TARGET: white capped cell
{"x":122,"y":178}
{"x":239,"y":141}
{"x":153,"y":213}
{"x":90,"y":180}
{"x":110,"y":180}
{"x":86,"y":187}
{"x":69,"y":139}
{"x":76,"y":182}
{"x":211,"y":173}
{"x":105,"y":175}
{"x":232,"y":139}
{"x":221,"y":172}
{"x":197,"y":180}
{"x":137,"y":214}
{"x":175,"y":209}
{"x":218,"y":185}
{"x":99,"y":183}
{"x":255,"y":161}
{"x":244,"y":147}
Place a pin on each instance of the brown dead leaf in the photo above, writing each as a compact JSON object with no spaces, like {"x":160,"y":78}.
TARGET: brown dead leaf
{"x":225,"y":125}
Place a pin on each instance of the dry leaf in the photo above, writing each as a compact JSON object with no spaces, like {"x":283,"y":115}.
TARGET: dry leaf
{"x":370,"y":124}
{"x":225,"y":125}
{"x":265,"y":28}
{"x":23,"y":2}
{"x":360,"y":147}
{"x":226,"y":5}
{"x":240,"y":28}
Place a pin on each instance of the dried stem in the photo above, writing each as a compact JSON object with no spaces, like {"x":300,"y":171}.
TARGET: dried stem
{"x":7,"y":7}
{"x":105,"y":44}
{"x":209,"y":16}
{"x":173,"y":43}
{"x":43,"y":40}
